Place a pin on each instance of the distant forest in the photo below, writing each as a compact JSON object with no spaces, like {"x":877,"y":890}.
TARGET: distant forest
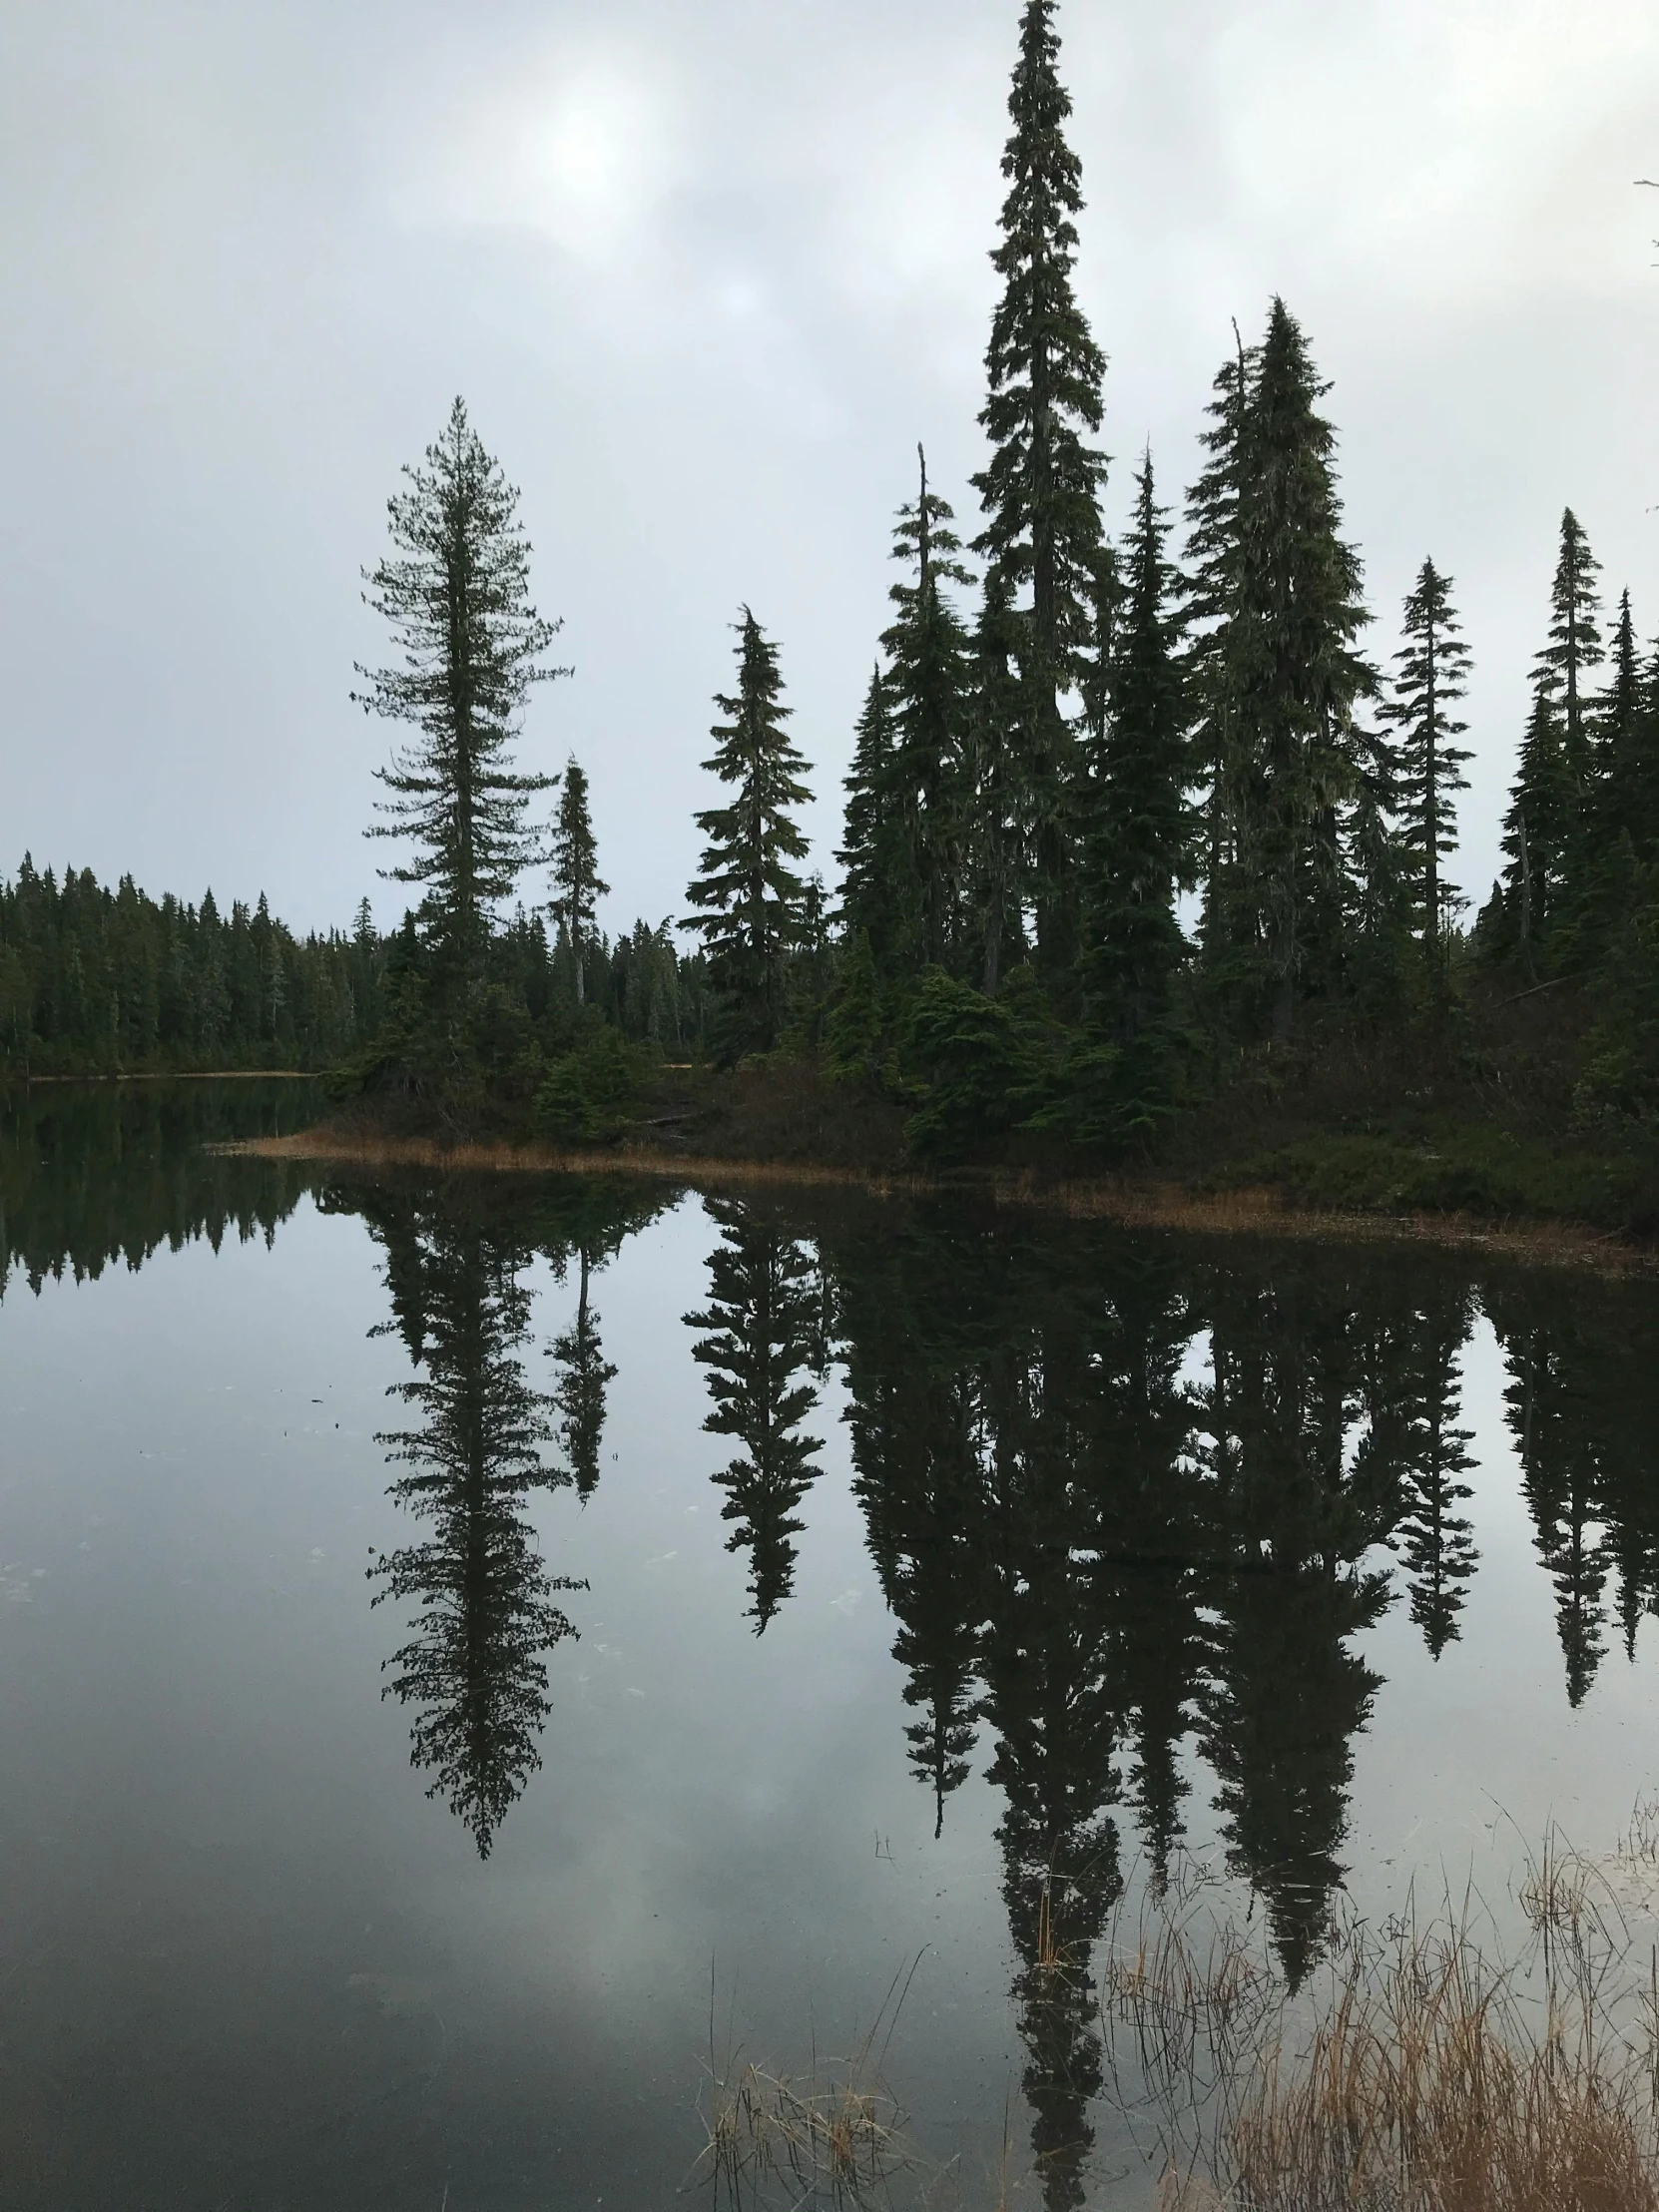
{"x":1068,"y":743}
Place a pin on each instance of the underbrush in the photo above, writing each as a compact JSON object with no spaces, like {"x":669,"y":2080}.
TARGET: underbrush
{"x":1486,"y":1171}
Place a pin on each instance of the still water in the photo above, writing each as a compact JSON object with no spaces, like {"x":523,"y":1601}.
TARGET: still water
{"x":476,"y":1654}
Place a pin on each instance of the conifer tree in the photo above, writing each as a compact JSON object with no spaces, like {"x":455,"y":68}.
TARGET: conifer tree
{"x":1627,"y":750}
{"x":874,"y":855}
{"x":999,"y":848}
{"x":1213,"y":555}
{"x":928,"y":684}
{"x":1135,"y":854}
{"x":1432,"y":674}
{"x":1537,"y":840}
{"x":745,"y":880}
{"x":1040,"y":492}
{"x":576,"y":883}
{"x":455,"y":590}
{"x":1574,"y":650}
{"x":1293,"y":674}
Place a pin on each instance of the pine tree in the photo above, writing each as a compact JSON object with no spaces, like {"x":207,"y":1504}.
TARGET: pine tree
{"x":1432,"y":674}
{"x":457,"y":593}
{"x":1213,"y":558}
{"x":1136,"y":850}
{"x":1575,"y":649}
{"x":1538,"y":838}
{"x":999,"y":848}
{"x":928,"y":684}
{"x":576,"y":883}
{"x":745,"y":877}
{"x":1040,"y":492}
{"x":1627,"y":782}
{"x":875,"y":855}
{"x":1293,"y":674}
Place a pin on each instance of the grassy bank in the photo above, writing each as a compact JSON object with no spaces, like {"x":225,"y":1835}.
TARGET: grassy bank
{"x":1143,"y":1200}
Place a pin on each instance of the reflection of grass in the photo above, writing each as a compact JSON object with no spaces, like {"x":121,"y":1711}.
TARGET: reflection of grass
{"x":1427,"y":2073}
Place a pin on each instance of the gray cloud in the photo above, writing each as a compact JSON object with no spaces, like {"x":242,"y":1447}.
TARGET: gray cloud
{"x":705,"y":276}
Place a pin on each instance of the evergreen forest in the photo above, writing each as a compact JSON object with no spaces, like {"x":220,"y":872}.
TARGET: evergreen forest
{"x":1144,"y":854}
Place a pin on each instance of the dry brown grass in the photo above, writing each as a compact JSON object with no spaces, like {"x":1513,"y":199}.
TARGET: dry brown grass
{"x":1131,"y":1203}
{"x":1428,"y":2073}
{"x":832,"y":2135}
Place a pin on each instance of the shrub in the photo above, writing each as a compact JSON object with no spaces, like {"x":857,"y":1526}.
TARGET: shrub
{"x":589,"y":1095}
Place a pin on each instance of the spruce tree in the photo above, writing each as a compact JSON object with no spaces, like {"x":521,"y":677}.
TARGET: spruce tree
{"x":753,"y":897}
{"x":576,"y":883}
{"x":1574,"y":650}
{"x":1040,"y":492}
{"x":1213,"y":555}
{"x":1539,"y":835}
{"x":928,"y":682}
{"x":998,"y":843}
{"x":1135,"y":852}
{"x":1432,"y":676}
{"x":1627,"y":755}
{"x":455,"y":590}
{"x":1293,"y":674}
{"x":875,"y":854}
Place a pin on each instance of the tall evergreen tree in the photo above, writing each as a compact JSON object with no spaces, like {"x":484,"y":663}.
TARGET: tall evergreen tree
{"x":1537,"y":840}
{"x":745,"y":880}
{"x":456,"y":592}
{"x":1136,"y":851}
{"x":1213,"y":557}
{"x":927,"y":683}
{"x":1040,"y":492}
{"x":1626,"y":805}
{"x":1293,"y":676}
{"x":875,"y":854}
{"x":999,"y":846}
{"x":1575,"y":649}
{"x":1432,"y":674}
{"x":576,"y":883}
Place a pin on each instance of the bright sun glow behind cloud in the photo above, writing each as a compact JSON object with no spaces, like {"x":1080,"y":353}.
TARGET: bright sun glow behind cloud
{"x":575,"y":147}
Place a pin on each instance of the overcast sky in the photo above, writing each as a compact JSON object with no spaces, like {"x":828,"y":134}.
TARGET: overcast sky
{"x":705,"y":274}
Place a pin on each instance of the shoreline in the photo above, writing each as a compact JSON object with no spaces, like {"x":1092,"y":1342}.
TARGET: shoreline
{"x":1144,"y":1204}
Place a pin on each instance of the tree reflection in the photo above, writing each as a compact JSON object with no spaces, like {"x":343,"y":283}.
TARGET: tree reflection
{"x":483,"y":1604}
{"x":474,"y":1670}
{"x":594,"y":1219}
{"x":765,"y":1320}
{"x":1120,"y":1498}
{"x":110,"y":1172}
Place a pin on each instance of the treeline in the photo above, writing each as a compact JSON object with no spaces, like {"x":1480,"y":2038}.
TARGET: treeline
{"x":1048,"y":763}
{"x":101,"y":983}
{"x":1120,"y":825}
{"x":94,"y":980}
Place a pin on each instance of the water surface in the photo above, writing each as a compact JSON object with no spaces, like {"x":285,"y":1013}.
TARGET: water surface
{"x":456,"y":1637}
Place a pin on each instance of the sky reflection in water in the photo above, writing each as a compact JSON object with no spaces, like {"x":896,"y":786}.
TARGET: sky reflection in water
{"x":764,"y":1591}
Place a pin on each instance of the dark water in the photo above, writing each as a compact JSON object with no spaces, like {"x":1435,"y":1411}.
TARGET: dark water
{"x":450,"y":1633}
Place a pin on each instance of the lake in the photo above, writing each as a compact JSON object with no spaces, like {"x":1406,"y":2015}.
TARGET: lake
{"x":482,"y":1658}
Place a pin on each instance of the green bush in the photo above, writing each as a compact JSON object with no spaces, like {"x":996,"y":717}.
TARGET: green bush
{"x":986,"y":1065}
{"x":590,"y":1094}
